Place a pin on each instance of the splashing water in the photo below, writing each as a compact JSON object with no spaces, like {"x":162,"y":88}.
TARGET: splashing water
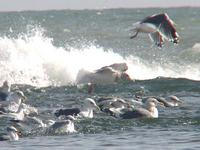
{"x":33,"y":59}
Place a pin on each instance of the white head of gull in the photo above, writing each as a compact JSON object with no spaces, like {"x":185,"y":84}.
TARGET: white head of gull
{"x":159,"y":27}
{"x":174,"y":101}
{"x":87,"y":109}
{"x":17,"y":96}
{"x":14,"y":101}
{"x":149,"y":110}
{"x":13,"y":134}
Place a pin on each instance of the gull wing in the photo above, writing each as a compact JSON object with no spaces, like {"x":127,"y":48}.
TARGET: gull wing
{"x":168,"y":30}
{"x":165,"y":26}
{"x":136,"y":113}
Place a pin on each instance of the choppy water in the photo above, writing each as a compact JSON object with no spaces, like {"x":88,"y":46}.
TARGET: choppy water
{"x":41,"y":53}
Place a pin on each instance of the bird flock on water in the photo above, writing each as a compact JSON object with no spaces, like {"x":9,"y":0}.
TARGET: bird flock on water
{"x":21,"y":116}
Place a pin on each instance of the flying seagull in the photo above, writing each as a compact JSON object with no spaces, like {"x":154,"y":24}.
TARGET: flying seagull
{"x":159,"y":27}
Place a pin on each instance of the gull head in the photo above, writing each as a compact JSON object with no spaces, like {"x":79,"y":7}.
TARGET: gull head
{"x":175,"y":99}
{"x":21,"y":95}
{"x":152,"y":102}
{"x":14,"y":133}
{"x":90,"y":103}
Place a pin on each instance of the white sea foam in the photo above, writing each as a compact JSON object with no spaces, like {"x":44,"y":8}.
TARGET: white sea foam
{"x":33,"y":59}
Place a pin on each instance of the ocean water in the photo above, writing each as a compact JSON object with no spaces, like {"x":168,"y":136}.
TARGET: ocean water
{"x":41,"y":53}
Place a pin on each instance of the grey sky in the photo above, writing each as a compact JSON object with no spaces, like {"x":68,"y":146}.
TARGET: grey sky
{"x":18,"y":5}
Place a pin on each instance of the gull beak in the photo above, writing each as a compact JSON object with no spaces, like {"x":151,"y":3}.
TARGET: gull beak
{"x":179,"y":101}
{"x":161,"y":104}
{"x":24,"y":98}
{"x":19,"y":133}
{"x":97,"y":107}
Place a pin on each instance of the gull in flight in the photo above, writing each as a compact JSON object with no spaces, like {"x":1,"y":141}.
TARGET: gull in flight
{"x":159,"y":27}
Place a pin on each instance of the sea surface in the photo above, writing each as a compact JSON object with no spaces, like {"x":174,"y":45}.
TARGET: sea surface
{"x":41,"y":53}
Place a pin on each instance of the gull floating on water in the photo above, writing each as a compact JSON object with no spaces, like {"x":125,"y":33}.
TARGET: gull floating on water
{"x":13,"y":134}
{"x":150,"y":110}
{"x":113,"y":105}
{"x":159,"y":27}
{"x":63,"y":126}
{"x":171,"y":101}
{"x":13,"y":102}
{"x":85,"y":111}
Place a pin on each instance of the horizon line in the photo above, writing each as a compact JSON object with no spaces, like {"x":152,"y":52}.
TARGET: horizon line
{"x":60,"y":9}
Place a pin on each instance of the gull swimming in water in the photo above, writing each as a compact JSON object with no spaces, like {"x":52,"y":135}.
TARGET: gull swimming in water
{"x":4,"y":91}
{"x":63,"y":126}
{"x":159,"y":27}
{"x":85,"y":111}
{"x":113,"y":105}
{"x":13,"y":134}
{"x":171,"y":101}
{"x":150,"y":110}
{"x":13,"y":102}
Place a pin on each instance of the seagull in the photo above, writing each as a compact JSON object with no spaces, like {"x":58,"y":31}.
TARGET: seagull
{"x":66,"y":126}
{"x":150,"y":110}
{"x":4,"y":91}
{"x":13,"y":134}
{"x":171,"y":101}
{"x":13,"y":102}
{"x":113,"y":105}
{"x":105,"y":75}
{"x":159,"y":27}
{"x":85,"y":111}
